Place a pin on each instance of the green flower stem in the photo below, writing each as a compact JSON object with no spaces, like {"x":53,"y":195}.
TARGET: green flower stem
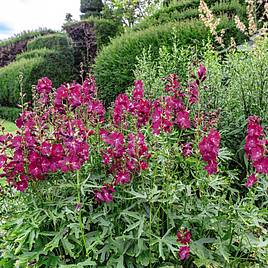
{"x":81,"y":225}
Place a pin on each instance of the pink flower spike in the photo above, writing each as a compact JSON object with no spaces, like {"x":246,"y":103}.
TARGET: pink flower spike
{"x":44,"y":86}
{"x":184,"y":253}
{"x":138,"y":91}
{"x":252,"y":179}
{"x":3,"y":160}
{"x":184,"y":236}
{"x":201,"y":73}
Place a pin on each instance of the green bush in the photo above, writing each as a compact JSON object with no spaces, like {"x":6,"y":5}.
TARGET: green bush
{"x":105,"y":30}
{"x":42,"y":52}
{"x":9,"y":113}
{"x":51,"y":41}
{"x":9,"y":80}
{"x":238,"y":84}
{"x":33,"y":65}
{"x":115,"y":63}
{"x":91,"y":6}
{"x":174,"y":60}
{"x":24,"y":36}
{"x":189,"y":9}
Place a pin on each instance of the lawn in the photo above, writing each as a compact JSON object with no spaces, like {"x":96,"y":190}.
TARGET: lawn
{"x":9,"y":126}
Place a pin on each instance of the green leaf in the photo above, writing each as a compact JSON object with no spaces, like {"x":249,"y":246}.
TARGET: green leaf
{"x":68,"y":246}
{"x":141,"y":227}
{"x":31,"y":239}
{"x":86,"y":263}
{"x":120,"y":262}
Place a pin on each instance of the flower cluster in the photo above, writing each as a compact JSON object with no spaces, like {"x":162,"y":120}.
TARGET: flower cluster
{"x":187,"y":149}
{"x":124,"y":157}
{"x":137,"y":107}
{"x":184,"y":237}
{"x":209,"y":149}
{"x":171,"y":110}
{"x":52,"y":138}
{"x":256,"y":148}
{"x":127,"y":154}
{"x":163,"y":113}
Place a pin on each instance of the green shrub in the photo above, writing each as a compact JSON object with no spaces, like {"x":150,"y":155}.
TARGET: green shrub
{"x":9,"y":80}
{"x":105,"y":30}
{"x":91,"y":6}
{"x":115,"y":63}
{"x":34,"y":64}
{"x":24,"y":36}
{"x":238,"y":84}
{"x":9,"y":113}
{"x":51,"y":41}
{"x":174,"y":60}
{"x":42,"y":52}
{"x":189,"y":9}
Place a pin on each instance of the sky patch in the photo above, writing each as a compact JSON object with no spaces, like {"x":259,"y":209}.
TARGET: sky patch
{"x":25,"y":15}
{"x":4,"y":28}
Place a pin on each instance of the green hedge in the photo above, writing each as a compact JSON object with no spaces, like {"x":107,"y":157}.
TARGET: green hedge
{"x":9,"y":113}
{"x":42,"y":52}
{"x":51,"y":41}
{"x":56,"y":65}
{"x":9,"y":80}
{"x":24,"y":36}
{"x":189,"y":9}
{"x":105,"y":30}
{"x":115,"y":63}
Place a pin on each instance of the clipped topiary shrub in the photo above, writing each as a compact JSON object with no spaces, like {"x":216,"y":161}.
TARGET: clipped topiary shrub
{"x":25,"y":35}
{"x":42,"y":52}
{"x":51,"y":41}
{"x":94,"y":6}
{"x":115,"y":64}
{"x":189,"y":9}
{"x":32,"y":65}
{"x":9,"y":80}
{"x":13,"y":46}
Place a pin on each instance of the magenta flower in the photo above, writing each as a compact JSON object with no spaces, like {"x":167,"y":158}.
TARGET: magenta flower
{"x":3,"y":160}
{"x":44,"y":86}
{"x":187,"y":149}
{"x":122,"y":178}
{"x":201,"y":73}
{"x":194,"y":93}
{"x":184,"y":236}
{"x":22,"y":184}
{"x":184,"y":253}
{"x":173,"y":83}
{"x":261,"y":165}
{"x":105,"y":194}
{"x":183,"y":120}
{"x":252,"y":179}
{"x":138,"y":91}
{"x":211,"y":167}
{"x":209,"y":149}
{"x":255,"y":147}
